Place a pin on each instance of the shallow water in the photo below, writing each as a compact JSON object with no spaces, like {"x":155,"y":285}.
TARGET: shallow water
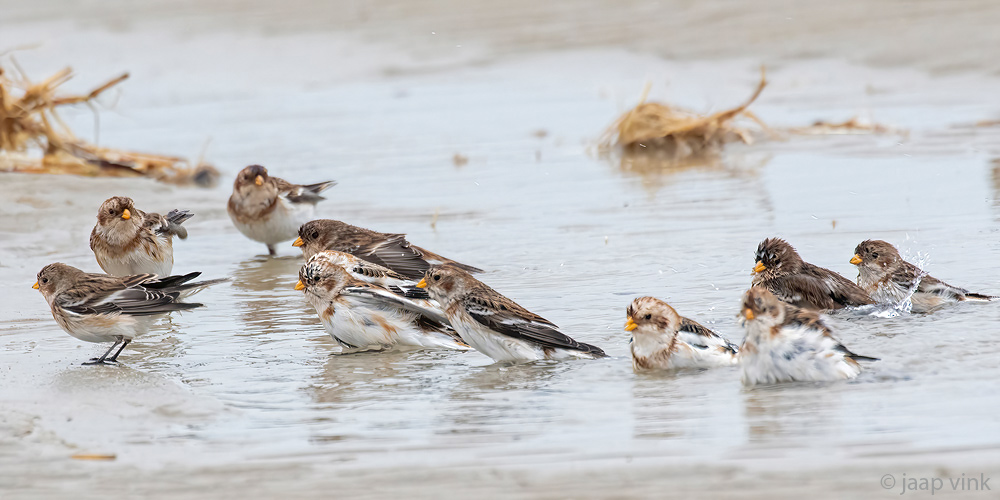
{"x":243,"y":399}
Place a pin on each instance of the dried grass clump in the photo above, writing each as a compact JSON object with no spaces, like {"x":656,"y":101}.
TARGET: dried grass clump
{"x":34,"y":139}
{"x":673,"y":133}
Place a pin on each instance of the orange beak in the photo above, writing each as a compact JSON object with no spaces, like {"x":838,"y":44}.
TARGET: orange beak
{"x":759,"y":267}
{"x":126,"y":214}
{"x":299,"y":285}
{"x":422,"y":284}
{"x":748,"y":314}
{"x":35,"y":286}
{"x":298,"y":242}
{"x":855,"y":260}
{"x":630,"y":325}
{"x":259,"y":181}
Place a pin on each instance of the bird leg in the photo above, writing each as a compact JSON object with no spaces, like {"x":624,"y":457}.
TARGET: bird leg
{"x":125,"y":342}
{"x":271,"y":250}
{"x":100,"y":360}
{"x":347,"y":350}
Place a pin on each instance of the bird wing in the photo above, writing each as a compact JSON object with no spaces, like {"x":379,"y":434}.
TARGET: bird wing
{"x":516,"y":322}
{"x":434,"y":259}
{"x":296,"y":193}
{"x":908,"y":273}
{"x":174,"y":220}
{"x":802,"y":291}
{"x":842,"y":290}
{"x":395,"y":253}
{"x":701,"y":337}
{"x":127,"y":296}
{"x":169,"y":224}
{"x":381,"y":298}
{"x":370,"y":272}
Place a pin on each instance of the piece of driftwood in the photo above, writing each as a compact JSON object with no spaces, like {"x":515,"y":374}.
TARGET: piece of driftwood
{"x":34,"y":139}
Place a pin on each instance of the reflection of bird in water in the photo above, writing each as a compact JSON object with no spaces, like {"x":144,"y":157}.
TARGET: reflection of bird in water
{"x":265,"y":296}
{"x":261,"y":274}
{"x":666,"y":405}
{"x":506,"y":400}
{"x":367,"y":393}
{"x":159,"y":345}
{"x":373,"y":378}
{"x":788,"y":414}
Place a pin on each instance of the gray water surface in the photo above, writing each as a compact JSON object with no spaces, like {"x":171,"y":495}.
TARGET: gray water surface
{"x":242,"y":398}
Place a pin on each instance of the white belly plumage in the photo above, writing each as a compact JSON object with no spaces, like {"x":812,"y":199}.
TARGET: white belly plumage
{"x":805,"y":356}
{"x":282,"y":224}
{"x":684,"y":355}
{"x":363,"y":326}
{"x":104,"y":328}
{"x":502,"y":348}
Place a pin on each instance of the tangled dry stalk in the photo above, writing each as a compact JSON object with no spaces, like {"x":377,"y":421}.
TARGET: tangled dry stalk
{"x":678,"y":133}
{"x":30,"y":124}
{"x":656,"y":137}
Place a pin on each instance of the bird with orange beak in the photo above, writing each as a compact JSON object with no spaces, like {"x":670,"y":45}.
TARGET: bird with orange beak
{"x":128,"y":241}
{"x":665,"y":340}
{"x":101,"y":308}
{"x":390,"y":250}
{"x":270,"y":210}
{"x":781,"y":270}
{"x":495,"y":325}
{"x":889,"y":279}
{"x":364,"y":306}
{"x":785,"y":343}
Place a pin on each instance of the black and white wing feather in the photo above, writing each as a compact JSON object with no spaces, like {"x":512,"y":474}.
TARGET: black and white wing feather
{"x":380,"y":298}
{"x":515,"y":322}
{"x":700,"y":337}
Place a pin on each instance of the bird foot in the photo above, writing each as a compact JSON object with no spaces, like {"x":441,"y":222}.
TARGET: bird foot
{"x":99,"y":361}
{"x":358,"y":350}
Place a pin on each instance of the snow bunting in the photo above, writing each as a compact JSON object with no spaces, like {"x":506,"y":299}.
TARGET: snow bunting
{"x":785,"y":343}
{"x":891,"y":280}
{"x":359,"y":312}
{"x":270,"y":210}
{"x":102,"y":308}
{"x":127,"y":241}
{"x":663,"y":340}
{"x":780,"y":269}
{"x":385,"y":249}
{"x":495,"y":325}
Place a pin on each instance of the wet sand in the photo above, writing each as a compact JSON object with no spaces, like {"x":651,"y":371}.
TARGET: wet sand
{"x":242,"y":398}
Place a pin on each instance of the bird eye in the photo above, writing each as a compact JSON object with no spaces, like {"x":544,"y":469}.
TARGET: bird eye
{"x":315,"y":235}
{"x":45,"y":280}
{"x":111,"y":211}
{"x":437,"y":277}
{"x":649,"y":316}
{"x":874,"y":255}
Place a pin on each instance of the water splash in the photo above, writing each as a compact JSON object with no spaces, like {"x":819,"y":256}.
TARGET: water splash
{"x":904,"y":305}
